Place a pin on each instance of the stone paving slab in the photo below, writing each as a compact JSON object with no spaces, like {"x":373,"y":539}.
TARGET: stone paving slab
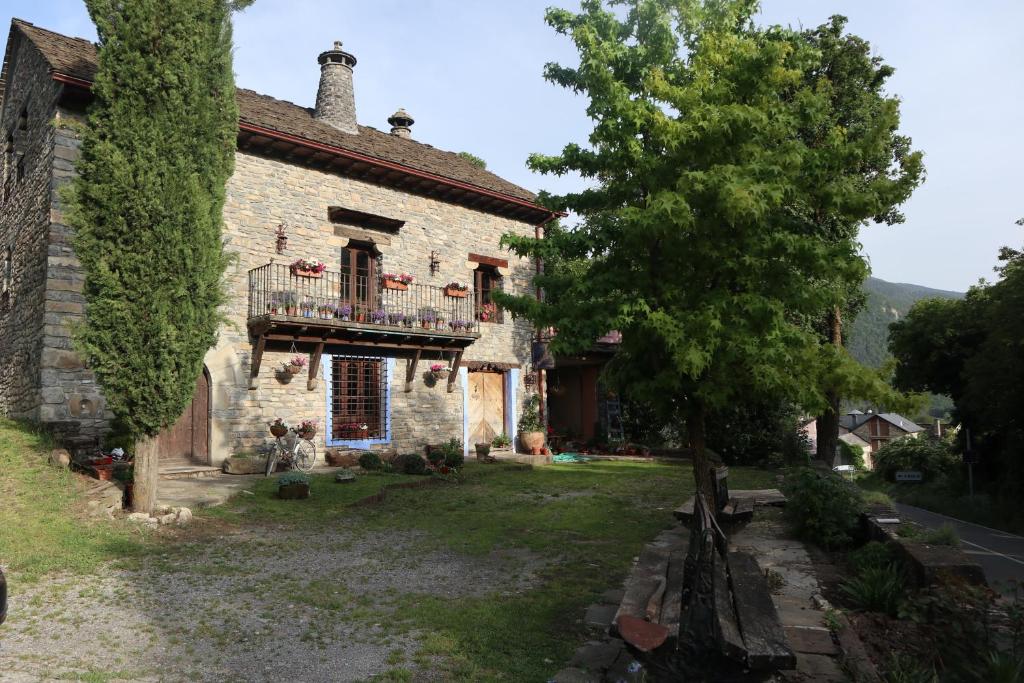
{"x":811,"y":640}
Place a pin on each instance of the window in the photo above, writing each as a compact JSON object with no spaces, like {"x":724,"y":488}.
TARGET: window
{"x":486,"y":281}
{"x":19,"y":166}
{"x":359,"y":270}
{"x":23,"y":119}
{"x":358,"y":398}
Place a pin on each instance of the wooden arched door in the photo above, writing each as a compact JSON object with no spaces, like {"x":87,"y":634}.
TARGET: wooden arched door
{"x":187,"y":441}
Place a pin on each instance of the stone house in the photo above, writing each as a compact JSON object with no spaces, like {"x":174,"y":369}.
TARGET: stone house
{"x":308,"y":184}
{"x":875,"y":430}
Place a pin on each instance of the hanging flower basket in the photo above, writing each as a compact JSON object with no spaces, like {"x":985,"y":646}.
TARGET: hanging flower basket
{"x":295,"y":365}
{"x":306,"y":429}
{"x":440,"y":371}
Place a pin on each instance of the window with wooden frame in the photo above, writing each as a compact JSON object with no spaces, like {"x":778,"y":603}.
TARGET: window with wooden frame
{"x":359,"y":270}
{"x":359,"y":388}
{"x":486,"y":281}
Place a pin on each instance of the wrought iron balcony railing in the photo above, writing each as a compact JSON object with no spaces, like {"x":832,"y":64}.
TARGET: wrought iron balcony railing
{"x":344,"y":299}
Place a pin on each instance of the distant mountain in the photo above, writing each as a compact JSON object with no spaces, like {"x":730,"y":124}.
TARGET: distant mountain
{"x":868,"y":340}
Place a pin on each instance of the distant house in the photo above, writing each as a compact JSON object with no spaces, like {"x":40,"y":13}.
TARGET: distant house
{"x":877,"y":429}
{"x":853,"y":440}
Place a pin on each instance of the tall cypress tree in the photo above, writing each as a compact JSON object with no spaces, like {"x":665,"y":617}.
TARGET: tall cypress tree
{"x":146,"y":209}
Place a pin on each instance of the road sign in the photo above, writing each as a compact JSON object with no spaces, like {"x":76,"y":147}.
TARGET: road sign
{"x":909,"y":475}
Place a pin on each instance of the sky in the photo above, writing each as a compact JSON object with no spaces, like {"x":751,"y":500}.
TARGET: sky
{"x":470,"y":73}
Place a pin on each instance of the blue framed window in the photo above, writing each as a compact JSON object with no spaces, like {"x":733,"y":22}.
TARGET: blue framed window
{"x":358,"y":410}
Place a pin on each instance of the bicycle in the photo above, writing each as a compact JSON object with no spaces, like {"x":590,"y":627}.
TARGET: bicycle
{"x":301,"y":454}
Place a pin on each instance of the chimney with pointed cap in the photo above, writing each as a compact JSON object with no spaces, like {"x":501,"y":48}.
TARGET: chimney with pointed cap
{"x":400,"y":123}
{"x":336,"y":100}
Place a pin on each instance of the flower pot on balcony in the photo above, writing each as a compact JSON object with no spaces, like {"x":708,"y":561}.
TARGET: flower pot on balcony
{"x":427,"y":324}
{"x":299,"y":272}
{"x":457,"y":293}
{"x":395,"y":284}
{"x":291,"y":310}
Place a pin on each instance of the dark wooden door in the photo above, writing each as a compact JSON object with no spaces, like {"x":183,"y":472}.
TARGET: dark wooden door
{"x":187,"y":441}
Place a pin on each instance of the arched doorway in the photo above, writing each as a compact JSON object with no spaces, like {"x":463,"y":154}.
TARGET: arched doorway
{"x":187,"y":441}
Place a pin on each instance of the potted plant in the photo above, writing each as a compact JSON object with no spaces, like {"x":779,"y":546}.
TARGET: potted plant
{"x":531,"y":429}
{"x":295,"y":365}
{"x":398,"y":282}
{"x":440,"y":370}
{"x":439,"y":323}
{"x":501,"y":441}
{"x":410,"y":321}
{"x":306,"y":307}
{"x":293,"y":486}
{"x":307,"y":268}
{"x":377,"y":317}
{"x":483,"y":450}
{"x":327,"y":311}
{"x":278,"y":428}
{"x":427,"y":319}
{"x":355,"y":430}
{"x":456,"y":289}
{"x":306,"y":429}
{"x":290,"y":303}
{"x":345,"y":312}
{"x":488,"y":312}
{"x":396,"y":319}
{"x":274,"y":304}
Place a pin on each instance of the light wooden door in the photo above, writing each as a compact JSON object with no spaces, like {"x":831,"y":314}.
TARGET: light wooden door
{"x":486,"y":406}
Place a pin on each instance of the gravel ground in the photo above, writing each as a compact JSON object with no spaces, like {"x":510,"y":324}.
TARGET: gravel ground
{"x":281,"y":605}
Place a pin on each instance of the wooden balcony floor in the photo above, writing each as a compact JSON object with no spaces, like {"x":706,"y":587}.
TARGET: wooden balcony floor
{"x":286,"y":328}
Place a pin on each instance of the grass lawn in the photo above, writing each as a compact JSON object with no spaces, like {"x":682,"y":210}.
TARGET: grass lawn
{"x":552,"y":539}
{"x":948,"y":498}
{"x":42,"y":524}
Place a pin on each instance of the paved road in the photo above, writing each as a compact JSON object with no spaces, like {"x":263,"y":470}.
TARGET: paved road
{"x":1001,"y":554}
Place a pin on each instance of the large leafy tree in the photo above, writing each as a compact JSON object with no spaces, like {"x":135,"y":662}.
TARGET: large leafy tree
{"x":146,"y":208}
{"x":695,"y":229}
{"x":865,"y":163}
{"x":972,"y":350}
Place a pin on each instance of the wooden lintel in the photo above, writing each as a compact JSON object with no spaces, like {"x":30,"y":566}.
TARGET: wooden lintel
{"x":455,"y":371}
{"x":410,"y":370}
{"x":257,"y":358}
{"x":314,"y":366}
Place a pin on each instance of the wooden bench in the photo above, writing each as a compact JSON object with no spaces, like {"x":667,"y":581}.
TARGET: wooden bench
{"x":667,"y":593}
{"x":728,"y":509}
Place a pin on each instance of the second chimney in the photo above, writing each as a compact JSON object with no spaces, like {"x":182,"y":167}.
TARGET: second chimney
{"x":335,"y":99}
{"x":400,"y":123}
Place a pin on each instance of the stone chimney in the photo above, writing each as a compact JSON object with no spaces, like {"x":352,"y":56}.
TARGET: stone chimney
{"x":400,"y":122}
{"x":336,"y":100}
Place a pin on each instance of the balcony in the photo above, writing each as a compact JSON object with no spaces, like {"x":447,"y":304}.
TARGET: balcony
{"x":335,"y":309}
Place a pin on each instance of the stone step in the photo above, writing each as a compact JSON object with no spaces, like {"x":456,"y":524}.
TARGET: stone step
{"x":188,"y":471}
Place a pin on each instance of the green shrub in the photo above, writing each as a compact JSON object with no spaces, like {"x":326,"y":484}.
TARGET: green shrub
{"x":877,"y":498}
{"x":409,"y":463}
{"x":370,"y":461}
{"x":944,"y":535}
{"x":823,"y":508}
{"x":435,"y":456}
{"x":870,"y":555}
{"x":453,"y":455}
{"x":931,"y":458}
{"x":852,"y":455}
{"x":876,"y":589}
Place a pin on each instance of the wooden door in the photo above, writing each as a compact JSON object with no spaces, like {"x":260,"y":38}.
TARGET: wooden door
{"x":486,"y":406}
{"x":187,"y":441}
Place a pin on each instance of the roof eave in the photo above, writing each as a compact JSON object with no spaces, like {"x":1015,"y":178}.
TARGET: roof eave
{"x":543,"y":214}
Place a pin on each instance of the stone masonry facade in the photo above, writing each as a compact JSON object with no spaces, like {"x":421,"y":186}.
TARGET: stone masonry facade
{"x":42,"y":379}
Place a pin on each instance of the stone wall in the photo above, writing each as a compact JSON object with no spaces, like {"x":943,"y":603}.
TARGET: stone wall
{"x":43,"y":379}
{"x":264,"y":193}
{"x":24,"y":216}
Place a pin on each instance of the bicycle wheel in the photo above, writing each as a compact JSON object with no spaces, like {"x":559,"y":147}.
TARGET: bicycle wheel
{"x":305,"y":455}
{"x":271,"y":460}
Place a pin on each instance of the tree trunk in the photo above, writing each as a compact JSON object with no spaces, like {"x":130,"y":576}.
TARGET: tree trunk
{"x":146,"y":475}
{"x":827,"y":424}
{"x":695,"y":430}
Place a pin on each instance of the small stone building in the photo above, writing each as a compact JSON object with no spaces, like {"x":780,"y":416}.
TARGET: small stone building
{"x":308,"y":184}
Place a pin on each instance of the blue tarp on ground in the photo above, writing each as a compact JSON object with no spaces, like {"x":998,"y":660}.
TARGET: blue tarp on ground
{"x":569,"y":457}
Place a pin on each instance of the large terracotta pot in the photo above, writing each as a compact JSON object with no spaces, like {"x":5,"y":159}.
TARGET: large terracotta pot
{"x":531,"y":440}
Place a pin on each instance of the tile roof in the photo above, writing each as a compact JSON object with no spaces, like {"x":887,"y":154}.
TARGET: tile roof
{"x":855,"y":419}
{"x":76,"y":57}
